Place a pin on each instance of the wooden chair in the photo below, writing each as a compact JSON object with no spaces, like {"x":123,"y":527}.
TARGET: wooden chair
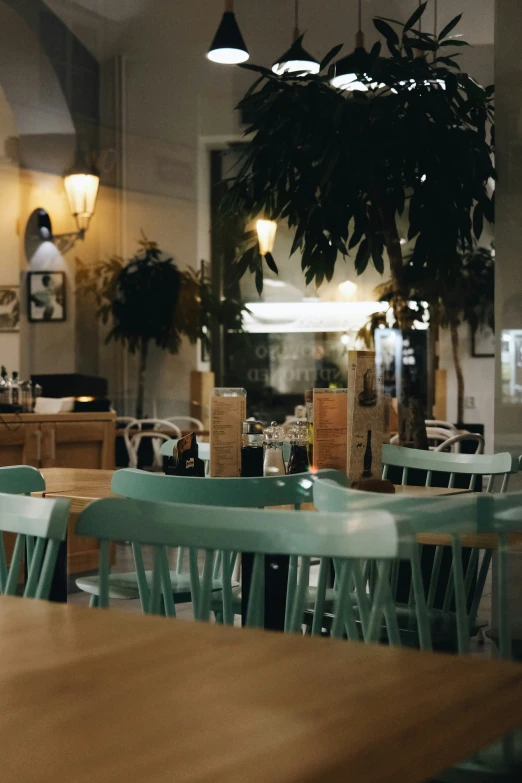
{"x":182,"y":421}
{"x":437,"y":563}
{"x":154,"y":424}
{"x":225,"y":530}
{"x":451,"y":443}
{"x":443,"y":620}
{"x":239,"y":492}
{"x":45,"y":523}
{"x":474,"y":465}
{"x":22,"y":480}
{"x":157,"y":438}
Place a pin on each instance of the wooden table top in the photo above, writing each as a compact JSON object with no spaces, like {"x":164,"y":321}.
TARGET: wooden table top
{"x":82,"y":486}
{"x":92,"y":695}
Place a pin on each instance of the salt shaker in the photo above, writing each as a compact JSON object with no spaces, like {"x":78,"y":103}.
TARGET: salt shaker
{"x":274,"y":464}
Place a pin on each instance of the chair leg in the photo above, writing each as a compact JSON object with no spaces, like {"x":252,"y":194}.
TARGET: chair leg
{"x":93,"y":603}
{"x":218,"y":616}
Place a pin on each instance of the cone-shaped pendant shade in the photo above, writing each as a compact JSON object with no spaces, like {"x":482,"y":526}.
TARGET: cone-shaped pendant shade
{"x":296,"y":59}
{"x":228,"y":46}
{"x":351,"y":72}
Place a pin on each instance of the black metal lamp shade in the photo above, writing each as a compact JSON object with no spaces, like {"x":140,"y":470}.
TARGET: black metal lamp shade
{"x":351,"y":72}
{"x":296,"y":59}
{"x":228,"y":46}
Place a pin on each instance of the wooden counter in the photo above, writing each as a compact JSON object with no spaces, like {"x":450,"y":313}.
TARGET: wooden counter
{"x":72,"y":440}
{"x":63,"y":440}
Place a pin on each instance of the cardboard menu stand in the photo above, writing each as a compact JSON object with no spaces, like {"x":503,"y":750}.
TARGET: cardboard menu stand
{"x":365,"y":417}
{"x":227,"y":413}
{"x":330,"y":428}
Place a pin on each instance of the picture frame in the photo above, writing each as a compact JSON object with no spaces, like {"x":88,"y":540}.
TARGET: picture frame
{"x":9,"y":308}
{"x":483,"y":342}
{"x":46,"y":297}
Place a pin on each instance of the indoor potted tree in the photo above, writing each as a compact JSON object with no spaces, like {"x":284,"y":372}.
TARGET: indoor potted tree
{"x":149,"y":300}
{"x":410,"y":156}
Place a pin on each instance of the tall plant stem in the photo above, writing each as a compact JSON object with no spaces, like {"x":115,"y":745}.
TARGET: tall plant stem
{"x":458,"y":371}
{"x":144,"y":352}
{"x":412,"y":416}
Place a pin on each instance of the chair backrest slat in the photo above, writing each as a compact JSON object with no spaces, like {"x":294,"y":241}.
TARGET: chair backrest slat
{"x":245,"y":492}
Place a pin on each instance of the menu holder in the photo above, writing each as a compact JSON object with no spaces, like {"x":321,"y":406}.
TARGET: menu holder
{"x":227,"y":413}
{"x":365,"y":417}
{"x":330,"y":429}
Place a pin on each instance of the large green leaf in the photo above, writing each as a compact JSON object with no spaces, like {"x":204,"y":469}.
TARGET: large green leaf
{"x":387,"y":31}
{"x":414,"y":18}
{"x":449,"y":27}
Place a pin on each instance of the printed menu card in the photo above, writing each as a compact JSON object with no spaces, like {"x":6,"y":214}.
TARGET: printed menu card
{"x":227,"y":412}
{"x":365,"y":417}
{"x":330,"y":418}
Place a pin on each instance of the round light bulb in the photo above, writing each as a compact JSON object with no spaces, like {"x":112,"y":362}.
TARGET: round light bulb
{"x":228,"y":56}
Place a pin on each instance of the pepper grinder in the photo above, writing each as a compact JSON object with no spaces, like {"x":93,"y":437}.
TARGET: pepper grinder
{"x":252,"y":449}
{"x":299,"y":437}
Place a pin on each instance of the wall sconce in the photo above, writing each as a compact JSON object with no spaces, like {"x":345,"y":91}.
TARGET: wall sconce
{"x":82,"y":188}
{"x":266,"y":232}
{"x":81,"y":185}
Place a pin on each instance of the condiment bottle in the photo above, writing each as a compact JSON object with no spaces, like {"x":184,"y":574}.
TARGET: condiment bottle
{"x":299,"y":437}
{"x":26,"y":396}
{"x":15,"y":390}
{"x":274,"y":464}
{"x":37,"y":392}
{"x":252,"y":449}
{"x":4,"y":392}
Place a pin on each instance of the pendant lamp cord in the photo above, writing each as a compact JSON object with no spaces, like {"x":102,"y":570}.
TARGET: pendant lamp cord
{"x":296,"y":20}
{"x":435,"y":18}
{"x":420,"y":18}
{"x":360,"y":16}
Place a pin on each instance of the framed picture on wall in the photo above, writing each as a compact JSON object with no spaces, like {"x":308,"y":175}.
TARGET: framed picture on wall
{"x":46,"y":296}
{"x":9,"y":308}
{"x":483,"y":342}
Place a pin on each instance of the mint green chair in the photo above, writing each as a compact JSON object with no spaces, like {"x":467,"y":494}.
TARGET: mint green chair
{"x":221,"y":531}
{"x":22,"y":480}
{"x":444,"y":621}
{"x":497,"y":467}
{"x":45,"y":522}
{"x":239,"y":492}
{"x":500,"y":762}
{"x":474,"y":465}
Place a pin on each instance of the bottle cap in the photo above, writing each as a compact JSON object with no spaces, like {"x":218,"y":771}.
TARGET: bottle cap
{"x":275,"y":433}
{"x":252,"y":428}
{"x":299,"y":433}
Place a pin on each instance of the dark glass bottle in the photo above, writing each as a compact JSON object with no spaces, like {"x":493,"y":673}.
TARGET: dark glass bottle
{"x":309,"y":404}
{"x":367,"y":462}
{"x":299,"y":437}
{"x":252,"y":449}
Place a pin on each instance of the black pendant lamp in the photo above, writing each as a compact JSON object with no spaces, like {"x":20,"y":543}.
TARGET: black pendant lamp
{"x":351,"y":72}
{"x":296,"y":59}
{"x":228,"y":46}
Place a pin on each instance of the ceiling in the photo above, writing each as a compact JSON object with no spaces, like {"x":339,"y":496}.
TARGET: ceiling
{"x":101,"y":24}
